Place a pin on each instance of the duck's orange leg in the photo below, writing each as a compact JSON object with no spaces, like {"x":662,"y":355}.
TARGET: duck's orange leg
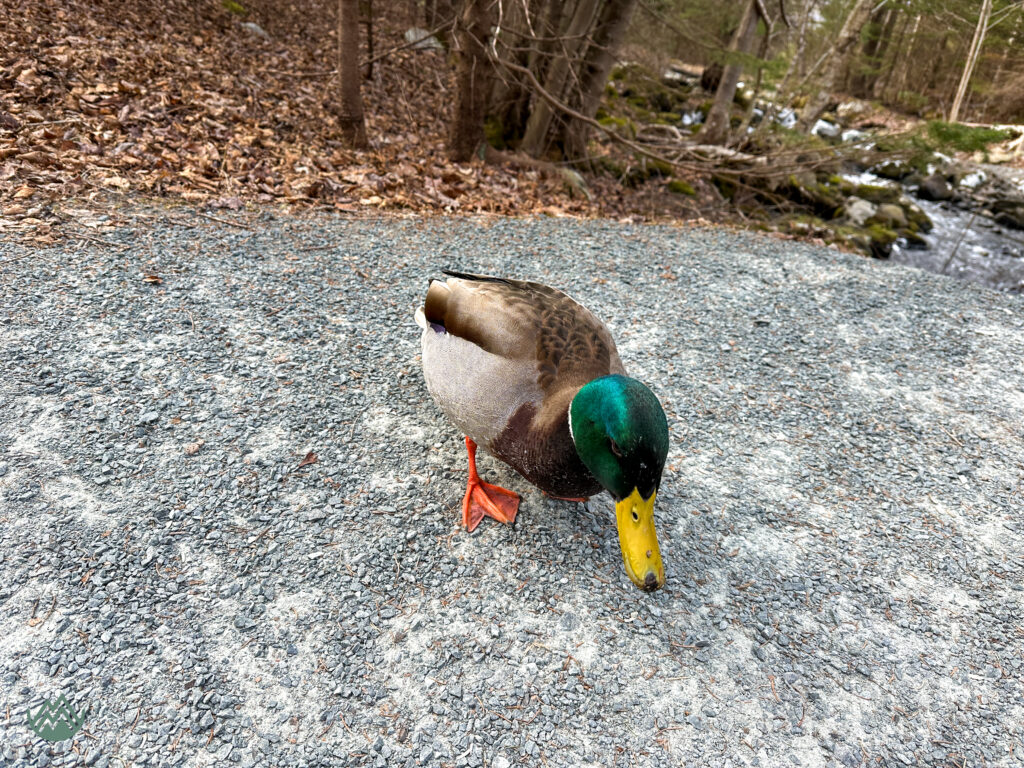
{"x":485,"y":499}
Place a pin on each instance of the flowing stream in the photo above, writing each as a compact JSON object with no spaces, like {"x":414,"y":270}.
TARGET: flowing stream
{"x":963,"y":244}
{"x":968,"y":246}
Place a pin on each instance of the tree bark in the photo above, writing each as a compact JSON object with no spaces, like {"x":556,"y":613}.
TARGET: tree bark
{"x":510,"y":100}
{"x":908,"y":57}
{"x":538,"y":127}
{"x":351,"y":123}
{"x":836,"y":59}
{"x":881,"y":85}
{"x":972,"y":59}
{"x":864,"y":69}
{"x":716,"y":127}
{"x":473,"y":79}
{"x":597,"y":66}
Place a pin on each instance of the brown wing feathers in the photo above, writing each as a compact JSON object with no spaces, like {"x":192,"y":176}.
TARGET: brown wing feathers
{"x":518,"y":319}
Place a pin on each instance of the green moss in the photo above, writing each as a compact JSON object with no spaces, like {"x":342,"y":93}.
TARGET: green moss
{"x":965,"y":138}
{"x":231,"y":6}
{"x":918,"y":220}
{"x":680,"y":187}
{"x":882,"y":239}
{"x":622,"y":125}
{"x":726,"y":185}
{"x":913,"y":239}
{"x":877,"y":194}
{"x":658,"y":167}
{"x":494,"y":132}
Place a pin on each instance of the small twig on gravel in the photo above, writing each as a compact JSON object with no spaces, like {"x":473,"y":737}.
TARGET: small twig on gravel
{"x":948,"y":433}
{"x":224,"y":221}
{"x":98,"y":241}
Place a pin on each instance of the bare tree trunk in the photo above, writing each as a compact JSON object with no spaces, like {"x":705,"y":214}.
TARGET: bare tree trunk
{"x":972,"y":59}
{"x":597,"y":65}
{"x":436,"y":13}
{"x":369,"y":39}
{"x":473,"y":79}
{"x":784,"y":91}
{"x":882,"y":83}
{"x":836,"y":59}
{"x":1001,"y":67}
{"x":864,"y":69}
{"x":535,"y":140}
{"x":351,"y":123}
{"x":716,"y":127}
{"x":514,"y":41}
{"x":907,"y":59}
{"x":880,"y":73}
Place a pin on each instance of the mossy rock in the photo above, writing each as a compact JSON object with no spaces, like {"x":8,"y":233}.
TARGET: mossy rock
{"x":824,"y":200}
{"x":882,"y":239}
{"x":917,"y":219}
{"x":877,"y":194}
{"x":913,"y":239}
{"x":895,"y":170}
{"x":889,"y":215}
{"x":680,"y":187}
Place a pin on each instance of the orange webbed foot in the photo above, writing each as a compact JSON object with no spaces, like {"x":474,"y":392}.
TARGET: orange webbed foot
{"x":483,"y":499}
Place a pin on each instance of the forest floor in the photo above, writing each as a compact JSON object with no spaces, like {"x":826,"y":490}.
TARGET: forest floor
{"x":190,"y":102}
{"x":183,"y":101}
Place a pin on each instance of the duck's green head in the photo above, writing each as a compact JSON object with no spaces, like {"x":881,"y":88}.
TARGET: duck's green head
{"x":621,"y":435}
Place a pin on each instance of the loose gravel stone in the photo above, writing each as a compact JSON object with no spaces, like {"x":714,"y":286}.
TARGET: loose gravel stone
{"x":840,"y":517}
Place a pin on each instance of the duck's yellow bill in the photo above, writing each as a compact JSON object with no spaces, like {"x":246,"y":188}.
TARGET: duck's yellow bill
{"x":634,"y":516}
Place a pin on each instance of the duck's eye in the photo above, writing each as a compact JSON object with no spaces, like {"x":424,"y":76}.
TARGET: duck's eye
{"x":615,"y":448}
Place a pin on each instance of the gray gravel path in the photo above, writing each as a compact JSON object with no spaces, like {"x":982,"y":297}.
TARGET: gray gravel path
{"x":842,"y":518}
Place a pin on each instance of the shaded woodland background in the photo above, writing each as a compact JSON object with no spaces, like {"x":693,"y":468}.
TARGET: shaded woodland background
{"x":507,"y":107}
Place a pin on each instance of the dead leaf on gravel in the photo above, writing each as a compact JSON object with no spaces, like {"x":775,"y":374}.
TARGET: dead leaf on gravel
{"x":154,"y":279}
{"x":309,"y":459}
{"x":193,"y":448}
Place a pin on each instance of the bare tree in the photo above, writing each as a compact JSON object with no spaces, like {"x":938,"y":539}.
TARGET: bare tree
{"x":716,"y":127}
{"x":473,"y":78}
{"x":594,"y":70}
{"x":972,"y":59}
{"x":351,"y":122}
{"x":835,"y":64}
{"x":535,"y":140}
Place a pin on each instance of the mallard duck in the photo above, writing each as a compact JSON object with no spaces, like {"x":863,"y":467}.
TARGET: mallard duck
{"x":534,"y":378}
